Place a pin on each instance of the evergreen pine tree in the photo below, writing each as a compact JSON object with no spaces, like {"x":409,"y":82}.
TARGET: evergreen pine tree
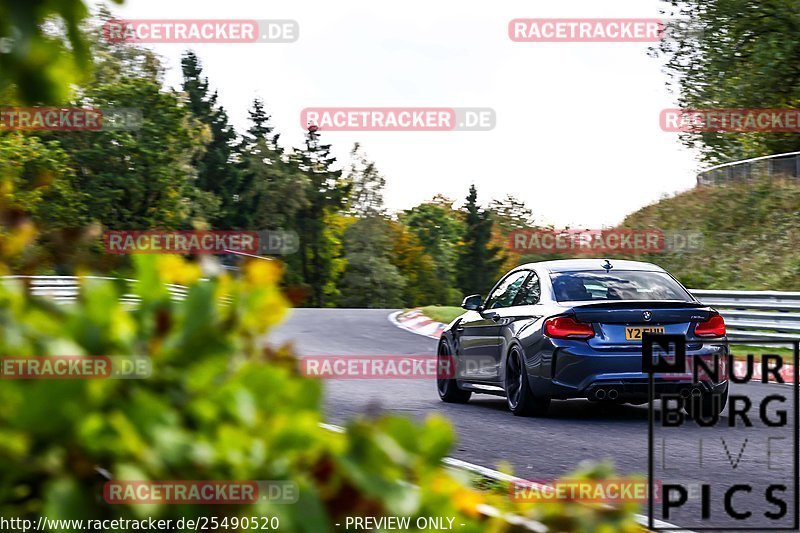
{"x":327,"y":193}
{"x":479,"y":262}
{"x":216,"y":169}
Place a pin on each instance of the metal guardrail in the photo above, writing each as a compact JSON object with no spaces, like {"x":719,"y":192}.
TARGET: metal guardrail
{"x":785,"y":165}
{"x":756,"y":314}
{"x":748,"y":314}
{"x":64,"y":289}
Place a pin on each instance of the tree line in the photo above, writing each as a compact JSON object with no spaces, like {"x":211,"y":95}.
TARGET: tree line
{"x":186,"y":167}
{"x":730,"y":54}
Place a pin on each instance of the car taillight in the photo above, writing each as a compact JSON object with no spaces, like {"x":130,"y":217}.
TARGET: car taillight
{"x":564,"y":327}
{"x":713,"y":327}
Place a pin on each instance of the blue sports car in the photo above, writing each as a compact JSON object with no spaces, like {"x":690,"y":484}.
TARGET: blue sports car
{"x":573,"y":329}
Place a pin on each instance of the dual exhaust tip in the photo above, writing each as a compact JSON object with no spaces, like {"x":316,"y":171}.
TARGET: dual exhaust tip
{"x":610,"y":393}
{"x":694,"y":391}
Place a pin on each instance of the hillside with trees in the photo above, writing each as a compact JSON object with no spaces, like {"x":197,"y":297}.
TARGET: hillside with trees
{"x":751,"y":233}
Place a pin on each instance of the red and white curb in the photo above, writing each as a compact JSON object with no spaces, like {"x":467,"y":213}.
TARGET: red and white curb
{"x":414,"y":321}
{"x":786,"y":372}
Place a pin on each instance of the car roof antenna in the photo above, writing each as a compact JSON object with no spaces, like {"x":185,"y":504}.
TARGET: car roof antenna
{"x":607,"y":265}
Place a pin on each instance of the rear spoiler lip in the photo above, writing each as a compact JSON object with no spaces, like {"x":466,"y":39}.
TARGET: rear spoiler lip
{"x":637,"y":304}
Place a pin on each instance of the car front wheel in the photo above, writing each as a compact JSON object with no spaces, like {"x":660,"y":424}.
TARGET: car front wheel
{"x":445,"y":372}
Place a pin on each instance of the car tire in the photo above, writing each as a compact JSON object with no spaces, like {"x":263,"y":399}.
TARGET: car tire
{"x":446,"y":386}
{"x":520,"y":398}
{"x":707,"y":404}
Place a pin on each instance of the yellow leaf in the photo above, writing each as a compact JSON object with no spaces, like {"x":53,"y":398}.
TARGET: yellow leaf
{"x":262,"y":272}
{"x":175,"y":269}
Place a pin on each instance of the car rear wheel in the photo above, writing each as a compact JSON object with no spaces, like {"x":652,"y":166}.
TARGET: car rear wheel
{"x":521,"y":401}
{"x":707,"y":404}
{"x":445,"y":370}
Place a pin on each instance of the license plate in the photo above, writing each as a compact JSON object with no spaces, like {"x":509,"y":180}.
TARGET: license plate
{"x":635,"y":333}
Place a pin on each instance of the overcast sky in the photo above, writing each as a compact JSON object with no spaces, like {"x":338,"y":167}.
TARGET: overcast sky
{"x":577,"y":135}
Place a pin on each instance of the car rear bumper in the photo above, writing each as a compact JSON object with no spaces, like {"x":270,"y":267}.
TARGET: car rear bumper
{"x":634,"y":390}
{"x":576,"y":370}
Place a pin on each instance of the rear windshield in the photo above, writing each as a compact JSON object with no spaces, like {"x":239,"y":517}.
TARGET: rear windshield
{"x":619,"y":285}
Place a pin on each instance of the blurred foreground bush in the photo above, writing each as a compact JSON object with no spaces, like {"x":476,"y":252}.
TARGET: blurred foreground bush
{"x":219,"y":405}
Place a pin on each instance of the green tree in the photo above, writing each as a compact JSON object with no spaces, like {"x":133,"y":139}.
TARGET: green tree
{"x":327,"y":194}
{"x":369,"y":279}
{"x":439,"y":229}
{"x":42,"y":180}
{"x":216,"y":169}
{"x":38,"y":187}
{"x":734,"y":54}
{"x":478,"y":261}
{"x":273,"y":188}
{"x":138,"y":177}
{"x":366,"y":195}
{"x":511,"y":214}
{"x":261,"y":126}
{"x":422,"y":286}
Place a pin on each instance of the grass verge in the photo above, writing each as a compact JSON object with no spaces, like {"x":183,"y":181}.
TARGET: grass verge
{"x":740,"y":352}
{"x":442,"y":313}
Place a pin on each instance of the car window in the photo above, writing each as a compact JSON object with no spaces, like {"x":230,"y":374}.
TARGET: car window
{"x":531,"y":292}
{"x":618,"y":285}
{"x":504,"y":294}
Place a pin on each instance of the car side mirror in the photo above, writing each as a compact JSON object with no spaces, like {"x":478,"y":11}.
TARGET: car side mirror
{"x":472,"y":303}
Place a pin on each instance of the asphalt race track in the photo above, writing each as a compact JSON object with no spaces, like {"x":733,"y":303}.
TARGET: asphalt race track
{"x":547,"y":448}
